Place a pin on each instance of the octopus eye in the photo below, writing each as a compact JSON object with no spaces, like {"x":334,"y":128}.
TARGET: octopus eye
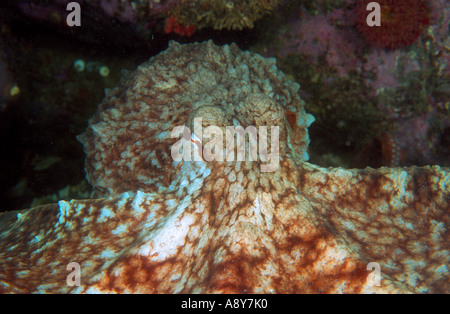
{"x":292,"y":119}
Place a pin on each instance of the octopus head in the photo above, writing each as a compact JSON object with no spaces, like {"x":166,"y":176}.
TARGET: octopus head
{"x":198,"y":94}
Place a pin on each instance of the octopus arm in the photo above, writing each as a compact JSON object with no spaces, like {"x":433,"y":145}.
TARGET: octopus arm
{"x":37,"y":245}
{"x":397,"y":217}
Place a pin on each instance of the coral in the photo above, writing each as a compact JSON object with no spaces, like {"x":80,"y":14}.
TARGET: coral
{"x":402,"y":21}
{"x":131,"y":18}
{"x":225,"y":226}
{"x":223,"y":14}
{"x":172,"y":25}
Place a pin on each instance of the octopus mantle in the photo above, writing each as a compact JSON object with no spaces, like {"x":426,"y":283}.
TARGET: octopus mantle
{"x":164,"y":226}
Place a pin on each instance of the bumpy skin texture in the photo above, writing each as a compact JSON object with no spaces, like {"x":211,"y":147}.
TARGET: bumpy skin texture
{"x":128,"y":143}
{"x":226,"y":227}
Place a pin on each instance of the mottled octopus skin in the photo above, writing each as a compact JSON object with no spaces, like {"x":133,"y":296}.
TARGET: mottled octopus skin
{"x":225,"y":227}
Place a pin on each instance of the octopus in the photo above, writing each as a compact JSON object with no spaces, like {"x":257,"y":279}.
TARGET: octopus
{"x":161,"y":223}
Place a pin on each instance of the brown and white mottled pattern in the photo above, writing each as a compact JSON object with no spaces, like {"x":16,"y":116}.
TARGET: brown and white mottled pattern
{"x":163,"y":226}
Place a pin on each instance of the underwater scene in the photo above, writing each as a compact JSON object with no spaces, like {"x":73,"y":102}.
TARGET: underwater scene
{"x":225,"y":146}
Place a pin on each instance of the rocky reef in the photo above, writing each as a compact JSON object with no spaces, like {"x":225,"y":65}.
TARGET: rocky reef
{"x":369,"y":96}
{"x":147,"y":17}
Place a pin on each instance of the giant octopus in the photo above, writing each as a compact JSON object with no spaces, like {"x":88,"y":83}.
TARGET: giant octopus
{"x":159,"y":224}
